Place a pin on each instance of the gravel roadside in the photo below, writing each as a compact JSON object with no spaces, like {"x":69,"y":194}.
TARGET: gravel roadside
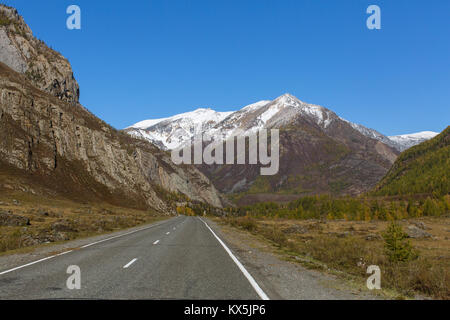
{"x":282,"y":279}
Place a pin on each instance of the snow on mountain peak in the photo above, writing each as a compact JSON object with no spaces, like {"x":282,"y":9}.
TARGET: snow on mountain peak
{"x":417,"y":135}
{"x":408,"y":140}
{"x":172,"y":132}
{"x":199,"y":115}
{"x":289,"y":100}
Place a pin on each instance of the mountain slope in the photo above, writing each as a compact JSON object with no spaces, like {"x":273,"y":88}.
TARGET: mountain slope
{"x":61,"y":147}
{"x":424,"y":168}
{"x":319,"y":151}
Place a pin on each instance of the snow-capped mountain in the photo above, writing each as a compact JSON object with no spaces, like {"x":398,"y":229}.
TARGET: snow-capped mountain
{"x":172,"y":132}
{"x":319,"y":151}
{"x":169,"y":133}
{"x":406,"y":141}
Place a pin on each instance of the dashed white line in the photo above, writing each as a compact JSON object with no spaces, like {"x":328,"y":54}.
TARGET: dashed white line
{"x":85,"y":246}
{"x":130,"y":263}
{"x":249,"y":277}
{"x":156,"y":242}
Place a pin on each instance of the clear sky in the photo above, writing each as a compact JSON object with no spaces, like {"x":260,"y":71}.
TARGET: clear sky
{"x":136,"y":60}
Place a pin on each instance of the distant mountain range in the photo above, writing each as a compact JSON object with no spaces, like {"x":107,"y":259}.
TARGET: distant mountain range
{"x":406,"y":141}
{"x":320,"y":152}
{"x":172,"y":132}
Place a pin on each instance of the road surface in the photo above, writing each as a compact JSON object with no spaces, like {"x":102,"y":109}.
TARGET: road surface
{"x":180,"y":258}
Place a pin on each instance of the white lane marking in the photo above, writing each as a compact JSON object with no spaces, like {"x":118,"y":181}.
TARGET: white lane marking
{"x":156,"y":242}
{"x":167,"y":232}
{"x":249,"y":277}
{"x":121,"y":235}
{"x":34,"y":262}
{"x":85,"y":246}
{"x":130,"y":263}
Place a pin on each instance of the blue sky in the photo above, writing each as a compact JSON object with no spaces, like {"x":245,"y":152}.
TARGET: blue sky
{"x":136,"y":60}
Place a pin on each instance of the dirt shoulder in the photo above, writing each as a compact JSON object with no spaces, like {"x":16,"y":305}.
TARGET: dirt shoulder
{"x":284,"y":279}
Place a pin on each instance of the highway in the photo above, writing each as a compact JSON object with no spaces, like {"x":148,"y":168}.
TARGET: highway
{"x":179,"y":258}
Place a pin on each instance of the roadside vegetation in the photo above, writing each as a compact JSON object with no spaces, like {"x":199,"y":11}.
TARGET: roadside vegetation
{"x":347,"y":248}
{"x":28,"y":220}
{"x":350,"y":208}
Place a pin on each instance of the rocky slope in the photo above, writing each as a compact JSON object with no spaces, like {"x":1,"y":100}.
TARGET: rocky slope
{"x":69,"y":148}
{"x":319,"y":151}
{"x":55,"y":146}
{"x":47,"y":69}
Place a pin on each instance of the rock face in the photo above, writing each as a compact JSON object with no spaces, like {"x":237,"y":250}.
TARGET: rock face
{"x":48,"y":140}
{"x":68,"y":149}
{"x":47,"y":69}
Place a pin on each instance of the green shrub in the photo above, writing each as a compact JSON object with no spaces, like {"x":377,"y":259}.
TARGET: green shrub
{"x":397,"y":246}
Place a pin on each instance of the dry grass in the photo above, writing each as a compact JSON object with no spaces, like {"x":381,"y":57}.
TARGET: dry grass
{"x":343,"y":246}
{"x":57,"y":219}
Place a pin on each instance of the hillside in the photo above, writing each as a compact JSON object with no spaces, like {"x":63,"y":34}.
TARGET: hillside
{"x":424,"y":168}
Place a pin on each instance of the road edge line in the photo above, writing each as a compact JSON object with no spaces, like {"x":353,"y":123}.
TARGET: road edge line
{"x":82,"y":247}
{"x":247,"y":274}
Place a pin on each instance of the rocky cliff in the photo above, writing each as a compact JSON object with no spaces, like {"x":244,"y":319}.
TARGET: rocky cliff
{"x":71,"y":151}
{"x":51,"y":140}
{"x":45,"y":68}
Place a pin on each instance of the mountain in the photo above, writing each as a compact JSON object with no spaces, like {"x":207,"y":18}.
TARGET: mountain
{"x":51,"y":145}
{"x":406,"y":141}
{"x":319,"y":151}
{"x":424,"y":168}
{"x":170,"y":133}
{"x":45,"y":68}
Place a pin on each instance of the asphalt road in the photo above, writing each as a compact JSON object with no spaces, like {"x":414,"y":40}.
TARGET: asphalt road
{"x":180,"y":258}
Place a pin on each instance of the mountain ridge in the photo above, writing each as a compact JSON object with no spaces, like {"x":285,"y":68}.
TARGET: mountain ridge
{"x":319,"y":151}
{"x":158,"y":131}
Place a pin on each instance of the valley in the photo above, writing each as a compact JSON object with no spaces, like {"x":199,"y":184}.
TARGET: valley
{"x":145,"y":224}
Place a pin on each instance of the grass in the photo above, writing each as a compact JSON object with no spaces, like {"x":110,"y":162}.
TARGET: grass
{"x":58,"y":220}
{"x":341,"y":247}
